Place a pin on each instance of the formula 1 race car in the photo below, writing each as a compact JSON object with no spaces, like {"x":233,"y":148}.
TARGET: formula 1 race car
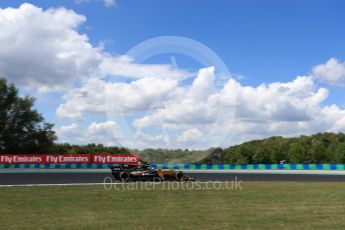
{"x":144,"y":172}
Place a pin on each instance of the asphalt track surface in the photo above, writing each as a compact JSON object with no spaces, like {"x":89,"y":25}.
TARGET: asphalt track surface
{"x":23,"y":178}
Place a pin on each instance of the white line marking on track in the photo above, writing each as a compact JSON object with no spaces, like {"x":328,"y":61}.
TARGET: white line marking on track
{"x":83,"y":184}
{"x":43,"y":185}
{"x":220,"y":171}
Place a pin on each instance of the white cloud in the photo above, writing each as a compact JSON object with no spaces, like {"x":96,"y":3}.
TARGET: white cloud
{"x":204,"y":116}
{"x":201,"y":105}
{"x":334,"y":118}
{"x":293,"y":101}
{"x":42,"y":49}
{"x":125,"y":66}
{"x":70,"y":132}
{"x":151,"y":140}
{"x":98,"y":96}
{"x":190,"y":135}
{"x":187,"y":106}
{"x":332,"y":72}
{"x":81,"y":1}
{"x":237,"y":113}
{"x":107,"y":133}
{"x":109,"y":3}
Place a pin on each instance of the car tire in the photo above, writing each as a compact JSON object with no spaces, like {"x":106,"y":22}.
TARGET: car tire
{"x":179,"y":175}
{"x":124,"y":176}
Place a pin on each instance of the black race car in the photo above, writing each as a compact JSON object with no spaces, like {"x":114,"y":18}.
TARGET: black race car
{"x":144,"y":172}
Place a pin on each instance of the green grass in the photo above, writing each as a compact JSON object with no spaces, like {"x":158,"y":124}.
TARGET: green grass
{"x":256,"y":206}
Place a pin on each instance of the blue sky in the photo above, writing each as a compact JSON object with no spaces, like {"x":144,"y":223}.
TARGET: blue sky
{"x":259,"y":42}
{"x":262,"y":40}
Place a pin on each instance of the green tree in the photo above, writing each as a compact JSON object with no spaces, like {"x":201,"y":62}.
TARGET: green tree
{"x":339,"y":156}
{"x":319,"y":152}
{"x":262,"y":155}
{"x":318,"y":148}
{"x":22,"y":128}
{"x":296,"y":153}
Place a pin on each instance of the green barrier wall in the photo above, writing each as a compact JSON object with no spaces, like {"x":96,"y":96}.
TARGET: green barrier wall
{"x":188,"y":166}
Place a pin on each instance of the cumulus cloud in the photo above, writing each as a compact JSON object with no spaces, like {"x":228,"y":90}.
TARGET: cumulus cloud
{"x":107,"y":133}
{"x":187,"y":106}
{"x":332,"y":72}
{"x":201,"y":105}
{"x":151,"y":141}
{"x":190,"y":135}
{"x":42,"y":49}
{"x":292,"y":101}
{"x":237,"y":113}
{"x":204,"y":116}
{"x":99,"y":96}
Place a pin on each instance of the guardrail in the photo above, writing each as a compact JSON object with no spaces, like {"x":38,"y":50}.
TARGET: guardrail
{"x":187,"y":166}
{"x":253,"y":166}
{"x":77,"y":159}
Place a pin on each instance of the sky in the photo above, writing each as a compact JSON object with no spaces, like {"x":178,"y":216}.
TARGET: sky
{"x":178,"y":74}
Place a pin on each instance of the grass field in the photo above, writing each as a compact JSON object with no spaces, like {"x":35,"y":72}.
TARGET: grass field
{"x":256,"y":206}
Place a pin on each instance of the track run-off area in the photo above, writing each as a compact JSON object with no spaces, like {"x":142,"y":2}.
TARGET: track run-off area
{"x":10,"y":177}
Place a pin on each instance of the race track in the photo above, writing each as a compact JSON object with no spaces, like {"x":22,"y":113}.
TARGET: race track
{"x":70,"y":177}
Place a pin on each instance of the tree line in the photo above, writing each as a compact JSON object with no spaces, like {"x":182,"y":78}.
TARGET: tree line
{"x":318,"y":148}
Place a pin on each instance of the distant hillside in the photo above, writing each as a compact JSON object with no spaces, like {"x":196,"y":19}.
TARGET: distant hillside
{"x":170,"y":156}
{"x":318,"y":148}
{"x":173,"y":156}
